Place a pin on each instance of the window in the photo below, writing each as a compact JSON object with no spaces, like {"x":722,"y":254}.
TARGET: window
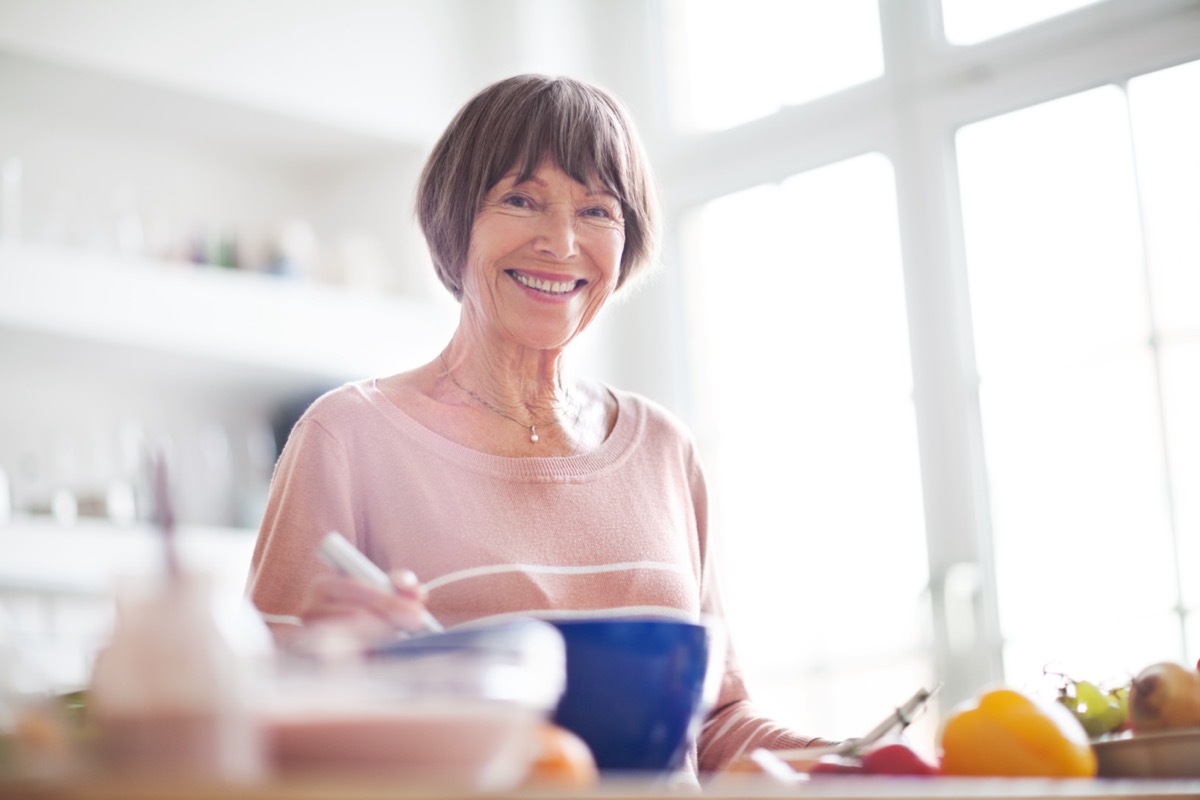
{"x":1087,"y":375}
{"x":1165,"y":136}
{"x":800,"y":307}
{"x":741,"y":61}
{"x":952,"y":329}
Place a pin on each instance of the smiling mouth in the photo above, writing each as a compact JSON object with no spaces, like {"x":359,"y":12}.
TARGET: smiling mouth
{"x":540,"y":285}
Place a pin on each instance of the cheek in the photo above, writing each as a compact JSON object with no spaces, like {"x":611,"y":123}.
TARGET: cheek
{"x":612,"y":259}
{"x":474,"y":277}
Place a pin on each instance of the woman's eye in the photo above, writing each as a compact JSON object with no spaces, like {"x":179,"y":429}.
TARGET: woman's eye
{"x":516,"y":201}
{"x":601,"y":213}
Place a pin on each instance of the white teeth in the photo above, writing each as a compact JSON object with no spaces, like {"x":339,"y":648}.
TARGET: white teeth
{"x":552,"y":287}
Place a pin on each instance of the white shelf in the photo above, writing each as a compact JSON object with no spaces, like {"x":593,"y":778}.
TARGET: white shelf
{"x":111,"y":103}
{"x":243,"y":320}
{"x":102,"y":553}
{"x":58,"y":585}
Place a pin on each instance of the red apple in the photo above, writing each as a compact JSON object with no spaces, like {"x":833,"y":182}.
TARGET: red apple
{"x":837,"y":765}
{"x":896,"y":758}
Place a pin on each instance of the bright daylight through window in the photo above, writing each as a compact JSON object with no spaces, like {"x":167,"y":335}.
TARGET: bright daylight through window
{"x":947,"y":351}
{"x":1085,"y":373}
{"x":744,"y":60}
{"x":825,"y":285}
{"x":970,"y":21}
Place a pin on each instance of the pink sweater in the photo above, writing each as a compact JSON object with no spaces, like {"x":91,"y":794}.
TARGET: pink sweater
{"x":620,"y":531}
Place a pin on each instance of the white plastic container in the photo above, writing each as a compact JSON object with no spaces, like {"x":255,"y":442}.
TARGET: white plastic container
{"x":457,"y":710}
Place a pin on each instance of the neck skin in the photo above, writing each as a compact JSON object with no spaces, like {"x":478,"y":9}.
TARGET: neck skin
{"x":524,"y":382}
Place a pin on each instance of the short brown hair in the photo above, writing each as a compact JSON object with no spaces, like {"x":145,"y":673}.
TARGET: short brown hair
{"x":515,"y":123}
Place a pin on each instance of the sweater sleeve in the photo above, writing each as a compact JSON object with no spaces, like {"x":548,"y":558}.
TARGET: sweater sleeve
{"x":310,"y":496}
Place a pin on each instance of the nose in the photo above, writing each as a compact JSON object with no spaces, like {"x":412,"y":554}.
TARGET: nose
{"x":556,"y":235}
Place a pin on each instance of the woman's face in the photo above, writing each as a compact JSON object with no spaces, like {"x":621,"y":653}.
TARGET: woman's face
{"x":544,"y":256}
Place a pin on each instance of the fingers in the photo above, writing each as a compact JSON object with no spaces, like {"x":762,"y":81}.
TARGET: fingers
{"x":335,"y":597}
{"x":407,"y":585}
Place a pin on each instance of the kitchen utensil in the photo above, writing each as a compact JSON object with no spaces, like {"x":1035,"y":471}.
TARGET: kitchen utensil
{"x":893,"y":723}
{"x":164,"y":517}
{"x":336,"y":551}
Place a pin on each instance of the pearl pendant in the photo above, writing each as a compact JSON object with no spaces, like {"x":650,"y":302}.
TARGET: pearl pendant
{"x":533,"y":437}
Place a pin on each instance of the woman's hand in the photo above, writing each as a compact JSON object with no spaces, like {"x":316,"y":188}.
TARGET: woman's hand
{"x":369,"y":612}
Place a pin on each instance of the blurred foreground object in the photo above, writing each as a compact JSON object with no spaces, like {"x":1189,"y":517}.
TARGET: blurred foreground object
{"x":1164,"y":696}
{"x":458,"y":710}
{"x":1006,"y":733}
{"x":563,"y":761}
{"x":638,"y":689}
{"x":168,"y":694}
{"x":881,"y":751}
{"x":1166,"y":754}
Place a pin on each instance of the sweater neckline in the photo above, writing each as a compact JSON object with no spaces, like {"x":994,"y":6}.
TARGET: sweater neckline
{"x":611,"y":452}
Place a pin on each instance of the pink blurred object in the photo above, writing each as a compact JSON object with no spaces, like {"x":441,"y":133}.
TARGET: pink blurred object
{"x":463,"y":744}
{"x":460,"y":709}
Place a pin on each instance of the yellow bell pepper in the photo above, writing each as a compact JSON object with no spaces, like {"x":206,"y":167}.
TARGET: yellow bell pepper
{"x":1007,"y":733}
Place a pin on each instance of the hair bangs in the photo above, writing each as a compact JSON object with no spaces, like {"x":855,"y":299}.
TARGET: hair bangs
{"x":578,"y":132}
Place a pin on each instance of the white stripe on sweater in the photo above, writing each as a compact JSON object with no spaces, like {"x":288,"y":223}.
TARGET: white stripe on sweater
{"x":586,"y":613}
{"x":552,"y":569}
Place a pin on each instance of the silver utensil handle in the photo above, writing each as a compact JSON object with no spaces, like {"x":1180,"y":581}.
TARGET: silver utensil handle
{"x":900,"y":718}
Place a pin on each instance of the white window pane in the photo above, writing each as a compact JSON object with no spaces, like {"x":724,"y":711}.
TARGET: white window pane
{"x":1181,"y":399}
{"x":971,"y":21}
{"x":1165,"y":114}
{"x":1052,"y":235}
{"x":1192,"y":654}
{"x":1073,"y":422}
{"x":1106,"y":653}
{"x":799,"y":304}
{"x":1078,"y":506}
{"x":734,"y":62}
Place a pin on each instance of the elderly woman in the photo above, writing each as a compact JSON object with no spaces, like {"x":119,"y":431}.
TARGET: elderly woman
{"x":509,"y":485}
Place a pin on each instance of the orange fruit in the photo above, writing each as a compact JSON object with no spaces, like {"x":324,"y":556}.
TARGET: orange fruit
{"x":563,"y":760}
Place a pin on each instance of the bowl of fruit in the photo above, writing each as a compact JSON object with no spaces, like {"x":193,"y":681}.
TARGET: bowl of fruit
{"x":1161,"y":734}
{"x":1165,"y":754}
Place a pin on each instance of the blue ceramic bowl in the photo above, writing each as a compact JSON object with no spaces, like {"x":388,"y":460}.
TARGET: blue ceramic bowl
{"x":638,"y":689}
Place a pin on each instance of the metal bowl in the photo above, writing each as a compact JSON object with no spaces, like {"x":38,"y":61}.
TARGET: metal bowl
{"x":1165,"y":754}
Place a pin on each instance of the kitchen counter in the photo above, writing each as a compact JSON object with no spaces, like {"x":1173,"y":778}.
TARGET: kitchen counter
{"x":741,"y":788}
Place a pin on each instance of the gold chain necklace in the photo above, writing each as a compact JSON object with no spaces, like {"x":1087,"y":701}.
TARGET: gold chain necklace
{"x":533,"y":434}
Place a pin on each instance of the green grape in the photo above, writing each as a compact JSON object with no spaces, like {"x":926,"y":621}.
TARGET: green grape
{"x":1119,"y":698}
{"x":1097,"y":711}
{"x":1089,"y":696}
{"x":1093,"y":708}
